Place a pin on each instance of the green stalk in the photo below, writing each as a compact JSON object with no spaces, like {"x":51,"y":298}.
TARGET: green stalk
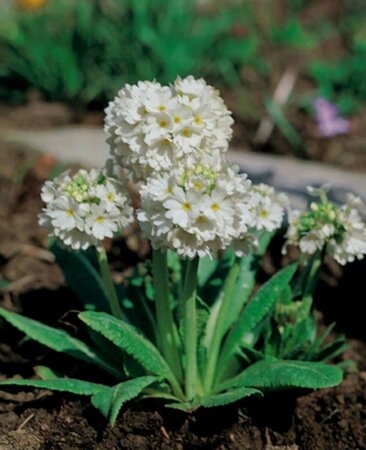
{"x":190,"y":327}
{"x":309,"y":276}
{"x":109,"y":285}
{"x":168,"y":336}
{"x":214,"y":350}
{"x":313,"y":274}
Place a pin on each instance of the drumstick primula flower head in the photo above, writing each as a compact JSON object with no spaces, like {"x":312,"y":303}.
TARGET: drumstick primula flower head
{"x":83,"y":209}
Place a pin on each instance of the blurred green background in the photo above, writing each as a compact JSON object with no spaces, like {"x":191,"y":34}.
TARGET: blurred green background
{"x":80,"y":52}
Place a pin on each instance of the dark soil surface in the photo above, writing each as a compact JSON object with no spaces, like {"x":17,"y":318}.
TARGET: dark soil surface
{"x":329,"y":419}
{"x":332,"y":419}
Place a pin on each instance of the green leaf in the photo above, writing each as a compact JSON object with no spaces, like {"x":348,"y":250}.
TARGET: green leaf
{"x":58,"y":340}
{"x":206,"y":268}
{"x":110,"y":400}
{"x":246,"y":280}
{"x":256,"y":310}
{"x":185,"y":407}
{"x":128,"y":339}
{"x":45,"y":373}
{"x":228,"y":397}
{"x":278,"y":375}
{"x":333,"y":349}
{"x":296,"y":338}
{"x":73,"y":386}
{"x":213,"y":278}
{"x":82,"y":278}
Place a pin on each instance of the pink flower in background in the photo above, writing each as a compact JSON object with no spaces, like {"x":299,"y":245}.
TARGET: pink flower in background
{"x":330,"y":123}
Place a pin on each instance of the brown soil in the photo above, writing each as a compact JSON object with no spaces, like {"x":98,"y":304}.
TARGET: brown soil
{"x":328,"y":419}
{"x":331,"y":419}
{"x":37,"y":114}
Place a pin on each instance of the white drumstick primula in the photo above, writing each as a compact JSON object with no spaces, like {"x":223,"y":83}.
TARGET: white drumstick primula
{"x":196,"y":211}
{"x":338,"y":230}
{"x":153,"y":129}
{"x":83,"y":209}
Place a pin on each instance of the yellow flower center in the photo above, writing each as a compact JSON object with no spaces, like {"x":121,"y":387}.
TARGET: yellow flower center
{"x":110,"y":197}
{"x":215,"y":207}
{"x":201,"y":219}
{"x":177,"y":119}
{"x":186,"y":206}
{"x":197,"y":185}
{"x":264,"y":214}
{"x":187,"y":132}
{"x":163,"y":123}
{"x":100,"y":219}
{"x":70,"y":212}
{"x":198,"y":120}
{"x":161,"y":108}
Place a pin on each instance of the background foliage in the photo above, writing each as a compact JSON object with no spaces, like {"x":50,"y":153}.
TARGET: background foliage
{"x":82,"y":52}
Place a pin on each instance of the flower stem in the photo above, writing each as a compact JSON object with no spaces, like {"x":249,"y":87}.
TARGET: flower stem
{"x":214,"y":350}
{"x":168,"y":336}
{"x":308,"y":278}
{"x":313,"y":274}
{"x":190,"y":327}
{"x":109,"y":285}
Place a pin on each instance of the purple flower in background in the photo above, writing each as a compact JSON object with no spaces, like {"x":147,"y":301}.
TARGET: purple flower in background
{"x":329,"y":121}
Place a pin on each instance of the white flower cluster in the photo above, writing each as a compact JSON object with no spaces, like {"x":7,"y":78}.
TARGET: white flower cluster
{"x":83,"y":209}
{"x":339,"y":230}
{"x":195,"y":211}
{"x":152,"y":128}
{"x":268,"y":207}
{"x":172,"y":140}
{"x":201,"y":209}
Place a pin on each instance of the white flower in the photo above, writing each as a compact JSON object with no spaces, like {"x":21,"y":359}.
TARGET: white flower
{"x":157,"y":127}
{"x":152,"y":128}
{"x":48,"y":192}
{"x":100,"y":223}
{"x":268,"y":207}
{"x":339,"y":230}
{"x":196,"y":210}
{"x":311,"y":242}
{"x":83,"y":209}
{"x":65,"y":213}
{"x":158,"y":100}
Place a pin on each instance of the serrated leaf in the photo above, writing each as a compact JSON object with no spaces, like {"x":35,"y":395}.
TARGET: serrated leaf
{"x":71,"y":385}
{"x":82,"y":277}
{"x":58,"y":340}
{"x":279,"y":375}
{"x":110,"y":401}
{"x":228,"y":397}
{"x":128,"y":339}
{"x":256,"y":310}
